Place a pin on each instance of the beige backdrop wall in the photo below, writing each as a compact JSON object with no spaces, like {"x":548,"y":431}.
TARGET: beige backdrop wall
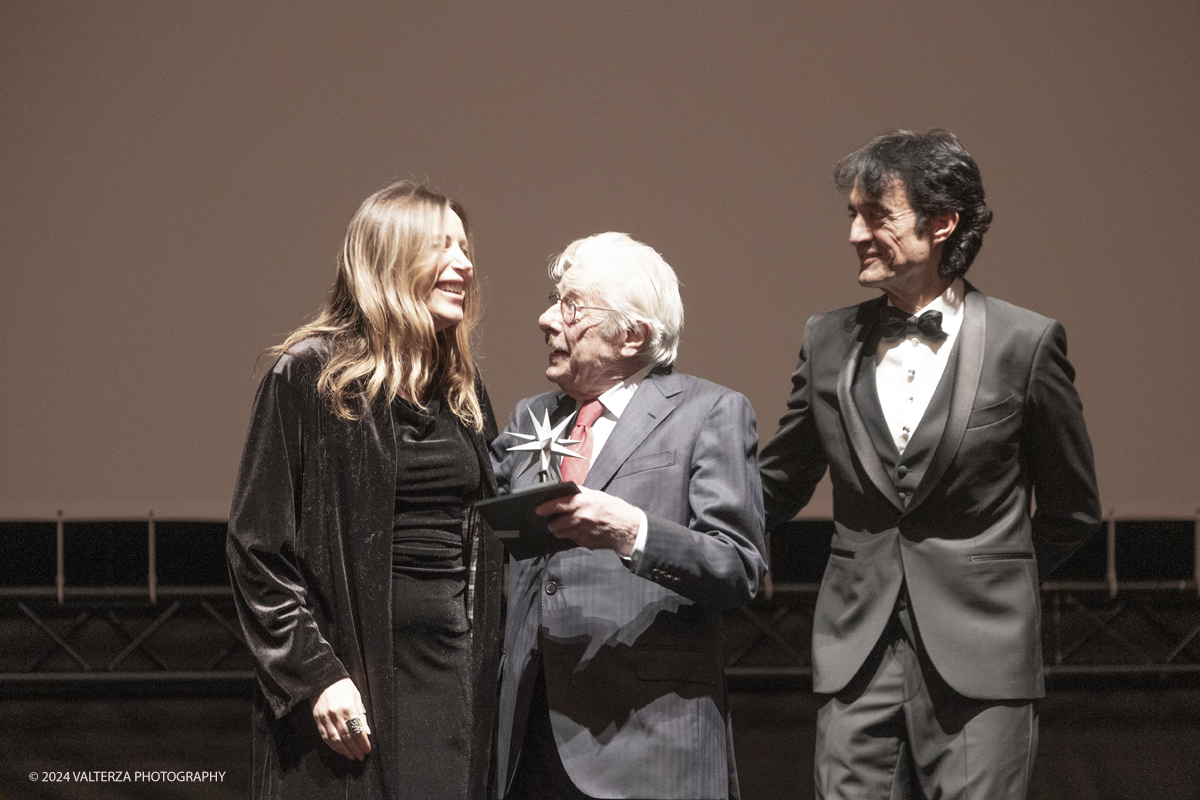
{"x":175,"y":179}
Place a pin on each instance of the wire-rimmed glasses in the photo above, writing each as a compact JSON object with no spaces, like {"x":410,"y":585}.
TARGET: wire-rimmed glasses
{"x":570,"y":309}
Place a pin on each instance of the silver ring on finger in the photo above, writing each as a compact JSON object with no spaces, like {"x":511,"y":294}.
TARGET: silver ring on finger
{"x":355,"y":725}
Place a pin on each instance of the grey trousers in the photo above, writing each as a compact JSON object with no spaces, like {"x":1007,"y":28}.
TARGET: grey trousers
{"x":899,"y":731}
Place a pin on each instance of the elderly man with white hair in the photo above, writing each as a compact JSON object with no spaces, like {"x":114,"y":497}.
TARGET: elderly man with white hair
{"x":612,"y":682}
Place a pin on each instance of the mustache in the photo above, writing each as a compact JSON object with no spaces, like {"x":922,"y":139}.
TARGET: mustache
{"x":554,"y":343}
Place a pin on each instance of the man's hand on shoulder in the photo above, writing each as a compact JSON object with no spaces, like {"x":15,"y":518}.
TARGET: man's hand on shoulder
{"x":595,"y":520}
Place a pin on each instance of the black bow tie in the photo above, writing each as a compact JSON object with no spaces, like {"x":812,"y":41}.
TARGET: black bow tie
{"x":895,"y":324}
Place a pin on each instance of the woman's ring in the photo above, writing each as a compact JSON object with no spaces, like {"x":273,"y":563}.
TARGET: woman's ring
{"x":355,"y":725}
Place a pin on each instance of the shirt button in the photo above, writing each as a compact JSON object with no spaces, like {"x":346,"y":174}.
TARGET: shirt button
{"x":551,"y":587}
{"x":915,"y":342}
{"x":910,"y":399}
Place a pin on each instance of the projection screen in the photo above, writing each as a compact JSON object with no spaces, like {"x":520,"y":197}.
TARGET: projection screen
{"x":177,"y":178}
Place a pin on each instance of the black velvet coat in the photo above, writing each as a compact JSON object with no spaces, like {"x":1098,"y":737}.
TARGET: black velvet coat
{"x":310,"y":551}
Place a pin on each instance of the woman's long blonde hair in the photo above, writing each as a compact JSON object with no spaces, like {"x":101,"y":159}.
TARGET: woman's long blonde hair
{"x":377,"y":322}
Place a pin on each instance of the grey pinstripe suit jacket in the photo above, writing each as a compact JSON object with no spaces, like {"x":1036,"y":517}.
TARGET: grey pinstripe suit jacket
{"x":632,"y":656}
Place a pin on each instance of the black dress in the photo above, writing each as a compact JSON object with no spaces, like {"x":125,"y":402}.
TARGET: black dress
{"x":310,"y":561}
{"x":437,"y":478}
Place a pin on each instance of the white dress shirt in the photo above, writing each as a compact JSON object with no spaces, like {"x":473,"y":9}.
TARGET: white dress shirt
{"x":615,"y":400}
{"x":907,"y":370}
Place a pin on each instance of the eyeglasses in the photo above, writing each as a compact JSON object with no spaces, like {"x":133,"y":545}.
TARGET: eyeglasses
{"x":570,"y":309}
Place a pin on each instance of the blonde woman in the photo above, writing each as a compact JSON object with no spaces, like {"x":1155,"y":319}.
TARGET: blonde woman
{"x":368,"y":595}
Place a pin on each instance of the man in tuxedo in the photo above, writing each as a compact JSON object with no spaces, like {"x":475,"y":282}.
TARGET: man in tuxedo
{"x":942,"y":415}
{"x":612,"y":683}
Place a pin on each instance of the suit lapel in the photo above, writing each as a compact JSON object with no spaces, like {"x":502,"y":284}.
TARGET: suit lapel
{"x":966,"y":382}
{"x":856,"y":430}
{"x":559,"y":405}
{"x":654,"y":400}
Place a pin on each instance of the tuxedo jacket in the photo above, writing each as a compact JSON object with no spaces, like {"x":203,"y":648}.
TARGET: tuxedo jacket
{"x":950,"y":518}
{"x":632,"y":655}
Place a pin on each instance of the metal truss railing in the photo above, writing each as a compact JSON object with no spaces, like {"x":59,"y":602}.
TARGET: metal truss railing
{"x":772,"y":637}
{"x":1105,"y":626}
{"x":192,"y":634}
{"x":117,"y":634}
{"x":61,"y":633}
{"x":1142,"y":627}
{"x":1148,"y":627}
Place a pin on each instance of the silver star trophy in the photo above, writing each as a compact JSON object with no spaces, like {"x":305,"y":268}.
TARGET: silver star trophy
{"x":545,"y":443}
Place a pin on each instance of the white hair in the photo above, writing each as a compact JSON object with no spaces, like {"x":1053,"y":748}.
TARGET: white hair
{"x":636,"y":283}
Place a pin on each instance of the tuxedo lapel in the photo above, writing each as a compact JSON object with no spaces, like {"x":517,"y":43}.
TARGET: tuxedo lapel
{"x":653,"y":401}
{"x":865,"y":393}
{"x":968,"y":370}
{"x":856,"y":429}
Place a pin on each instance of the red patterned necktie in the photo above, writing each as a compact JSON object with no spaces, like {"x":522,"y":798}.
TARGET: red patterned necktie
{"x":576,"y":469}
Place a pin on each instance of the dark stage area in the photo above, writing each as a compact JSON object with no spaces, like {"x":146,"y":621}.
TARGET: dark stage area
{"x":1112,"y":743}
{"x":96,"y":676}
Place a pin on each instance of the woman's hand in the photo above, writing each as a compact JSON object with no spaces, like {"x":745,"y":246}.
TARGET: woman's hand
{"x":333,"y":709}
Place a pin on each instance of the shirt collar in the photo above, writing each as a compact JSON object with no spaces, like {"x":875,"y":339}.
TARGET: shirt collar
{"x":950,"y":304}
{"x":617,"y":398}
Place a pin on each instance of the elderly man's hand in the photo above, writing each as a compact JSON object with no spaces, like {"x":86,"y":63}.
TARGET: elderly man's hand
{"x":595,"y":520}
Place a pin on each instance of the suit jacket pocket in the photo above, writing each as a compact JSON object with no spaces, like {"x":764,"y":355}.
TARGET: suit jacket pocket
{"x":1015,"y":556}
{"x":649,"y":461}
{"x":677,"y":664}
{"x":993,"y":413}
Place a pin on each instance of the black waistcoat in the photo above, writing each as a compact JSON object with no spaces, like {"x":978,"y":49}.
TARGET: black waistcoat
{"x":908,"y":469}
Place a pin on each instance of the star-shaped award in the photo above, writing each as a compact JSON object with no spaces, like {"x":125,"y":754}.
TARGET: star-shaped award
{"x":546,"y":443}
